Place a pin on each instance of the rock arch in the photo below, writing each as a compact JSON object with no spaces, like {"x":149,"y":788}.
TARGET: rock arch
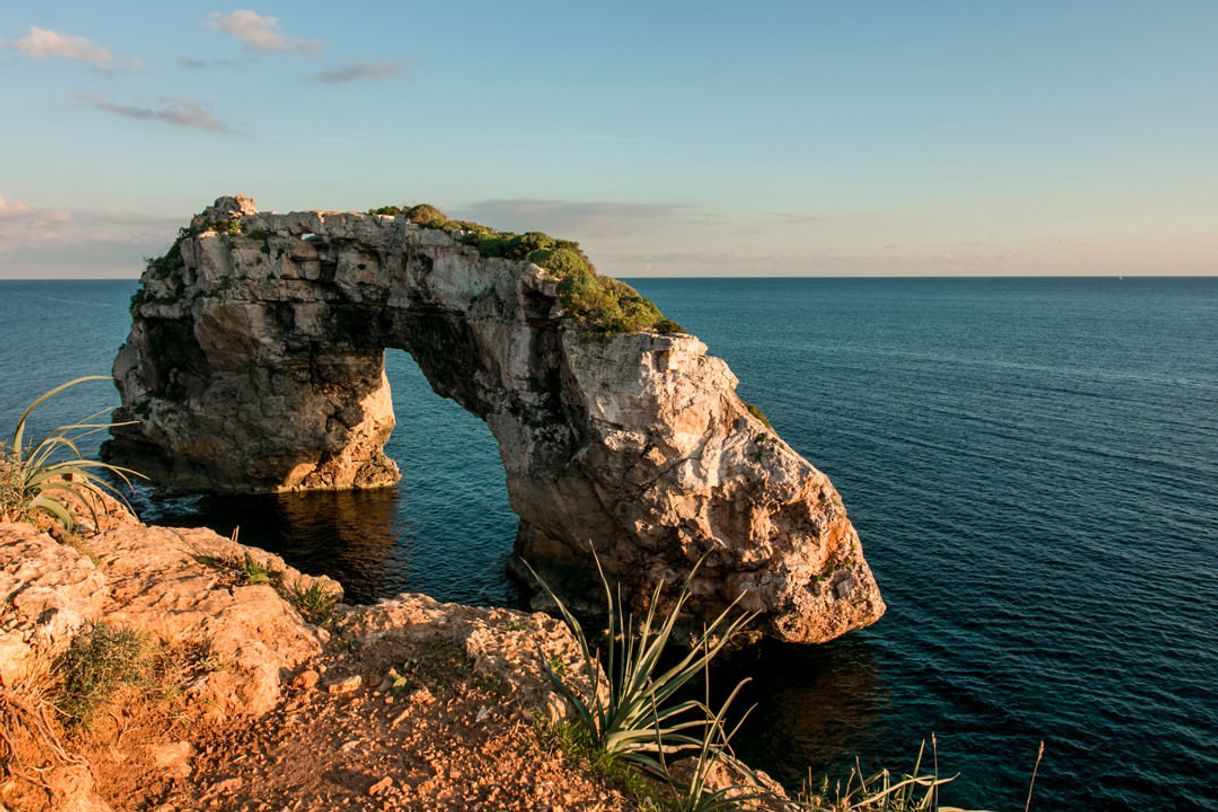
{"x":255,"y":363}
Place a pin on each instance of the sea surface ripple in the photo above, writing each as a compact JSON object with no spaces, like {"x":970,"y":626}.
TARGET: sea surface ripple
{"x":1032,"y":465}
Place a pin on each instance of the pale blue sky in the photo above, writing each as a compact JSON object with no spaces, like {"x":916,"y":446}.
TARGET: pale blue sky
{"x":847,"y":138}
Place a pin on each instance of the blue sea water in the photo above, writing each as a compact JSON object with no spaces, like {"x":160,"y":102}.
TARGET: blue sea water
{"x":1032,"y":465}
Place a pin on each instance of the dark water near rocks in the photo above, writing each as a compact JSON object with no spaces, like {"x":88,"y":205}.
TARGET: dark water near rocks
{"x":1032,"y":465}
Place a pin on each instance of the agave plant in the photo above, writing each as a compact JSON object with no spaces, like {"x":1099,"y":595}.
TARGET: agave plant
{"x":636,"y":715}
{"x":46,"y":476}
{"x":883,"y":791}
{"x":697,"y":794}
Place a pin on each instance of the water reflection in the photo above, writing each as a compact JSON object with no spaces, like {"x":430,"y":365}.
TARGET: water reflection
{"x":349,"y":535}
{"x":816,"y":708}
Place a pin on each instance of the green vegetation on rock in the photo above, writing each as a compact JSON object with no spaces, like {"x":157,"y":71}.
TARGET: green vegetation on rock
{"x":315,"y":603}
{"x":52,"y":475}
{"x":171,"y":261}
{"x":756,"y":412}
{"x":101,"y":660}
{"x":598,"y":303}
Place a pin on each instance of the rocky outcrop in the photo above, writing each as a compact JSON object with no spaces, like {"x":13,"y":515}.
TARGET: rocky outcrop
{"x":48,"y":591}
{"x":190,"y":585}
{"x":255,"y":363}
{"x":179,"y":586}
{"x":243,"y":652}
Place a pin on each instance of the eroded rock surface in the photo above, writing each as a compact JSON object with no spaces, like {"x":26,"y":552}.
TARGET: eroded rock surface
{"x":255,"y":363}
{"x":48,"y":591}
{"x":187,"y":585}
{"x":325,"y":695}
{"x":502,"y":645}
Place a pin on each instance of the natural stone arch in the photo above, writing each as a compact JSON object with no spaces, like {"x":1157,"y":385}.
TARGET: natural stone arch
{"x":255,"y":363}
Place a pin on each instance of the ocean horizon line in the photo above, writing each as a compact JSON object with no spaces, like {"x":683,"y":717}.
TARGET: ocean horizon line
{"x":838,"y":277}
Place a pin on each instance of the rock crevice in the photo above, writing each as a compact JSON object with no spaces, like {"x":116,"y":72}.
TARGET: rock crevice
{"x":256,"y":363}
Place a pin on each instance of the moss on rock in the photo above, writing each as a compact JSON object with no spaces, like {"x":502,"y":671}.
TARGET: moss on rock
{"x":597,"y":303}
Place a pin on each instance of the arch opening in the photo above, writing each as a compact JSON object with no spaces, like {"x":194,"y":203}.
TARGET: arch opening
{"x":456,"y":526}
{"x":445,"y":529}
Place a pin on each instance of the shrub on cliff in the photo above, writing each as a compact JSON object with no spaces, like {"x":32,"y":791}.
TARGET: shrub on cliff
{"x":427,"y":215}
{"x":423,"y":214}
{"x":598,"y":303}
{"x":756,"y":412}
{"x":52,"y":474}
{"x":171,"y":261}
{"x":101,"y":660}
{"x":315,"y":603}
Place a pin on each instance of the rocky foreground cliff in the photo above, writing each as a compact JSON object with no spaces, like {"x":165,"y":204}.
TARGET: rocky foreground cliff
{"x":174,"y":669}
{"x":256,"y":362}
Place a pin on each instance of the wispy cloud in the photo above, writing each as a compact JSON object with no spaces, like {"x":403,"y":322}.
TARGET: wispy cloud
{"x":29,"y":216}
{"x":190,"y":63}
{"x":317,"y":139}
{"x":49,"y":242}
{"x":179,"y":111}
{"x":261,"y":34}
{"x":360,"y":70}
{"x":577,"y":218}
{"x":44,"y":43}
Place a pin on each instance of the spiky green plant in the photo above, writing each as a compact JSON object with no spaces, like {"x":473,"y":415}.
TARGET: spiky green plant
{"x":882,"y":791}
{"x":255,"y":572}
{"x":315,"y":603}
{"x":43,"y":477}
{"x":636,"y":714}
{"x":715,"y":749}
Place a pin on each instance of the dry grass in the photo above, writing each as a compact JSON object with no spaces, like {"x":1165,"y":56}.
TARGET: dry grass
{"x":30,"y":734}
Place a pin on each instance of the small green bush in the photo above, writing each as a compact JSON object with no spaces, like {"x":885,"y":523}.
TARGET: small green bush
{"x":315,"y":603}
{"x":564,"y":262}
{"x":597,"y":303}
{"x":389,"y":211}
{"x":256,"y":573}
{"x":231,"y":228}
{"x":427,"y":215}
{"x":669,"y":327}
{"x":100,"y":660}
{"x":171,"y":261}
{"x":756,"y":412}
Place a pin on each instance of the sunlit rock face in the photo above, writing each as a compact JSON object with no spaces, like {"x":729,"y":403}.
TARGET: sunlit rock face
{"x":255,"y":363}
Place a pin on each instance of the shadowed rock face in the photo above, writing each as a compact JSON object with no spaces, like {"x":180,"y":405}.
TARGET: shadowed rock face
{"x":256,"y":364}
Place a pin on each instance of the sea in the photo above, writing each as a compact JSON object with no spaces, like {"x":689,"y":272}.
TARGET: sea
{"x":1032,"y":465}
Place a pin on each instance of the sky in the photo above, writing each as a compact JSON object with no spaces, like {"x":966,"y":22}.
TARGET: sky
{"x":847,"y":138}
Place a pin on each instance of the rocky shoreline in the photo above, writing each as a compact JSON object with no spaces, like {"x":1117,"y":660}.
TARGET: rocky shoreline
{"x":405,"y":704}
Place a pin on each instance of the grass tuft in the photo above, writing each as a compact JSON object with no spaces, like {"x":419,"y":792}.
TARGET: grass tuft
{"x":100,"y":660}
{"x":315,"y":603}
{"x":575,"y":742}
{"x":756,"y":412}
{"x":256,"y":573}
{"x":634,"y":713}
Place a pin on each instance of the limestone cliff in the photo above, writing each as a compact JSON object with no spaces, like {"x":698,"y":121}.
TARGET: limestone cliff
{"x":256,"y":703}
{"x":255,"y":363}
